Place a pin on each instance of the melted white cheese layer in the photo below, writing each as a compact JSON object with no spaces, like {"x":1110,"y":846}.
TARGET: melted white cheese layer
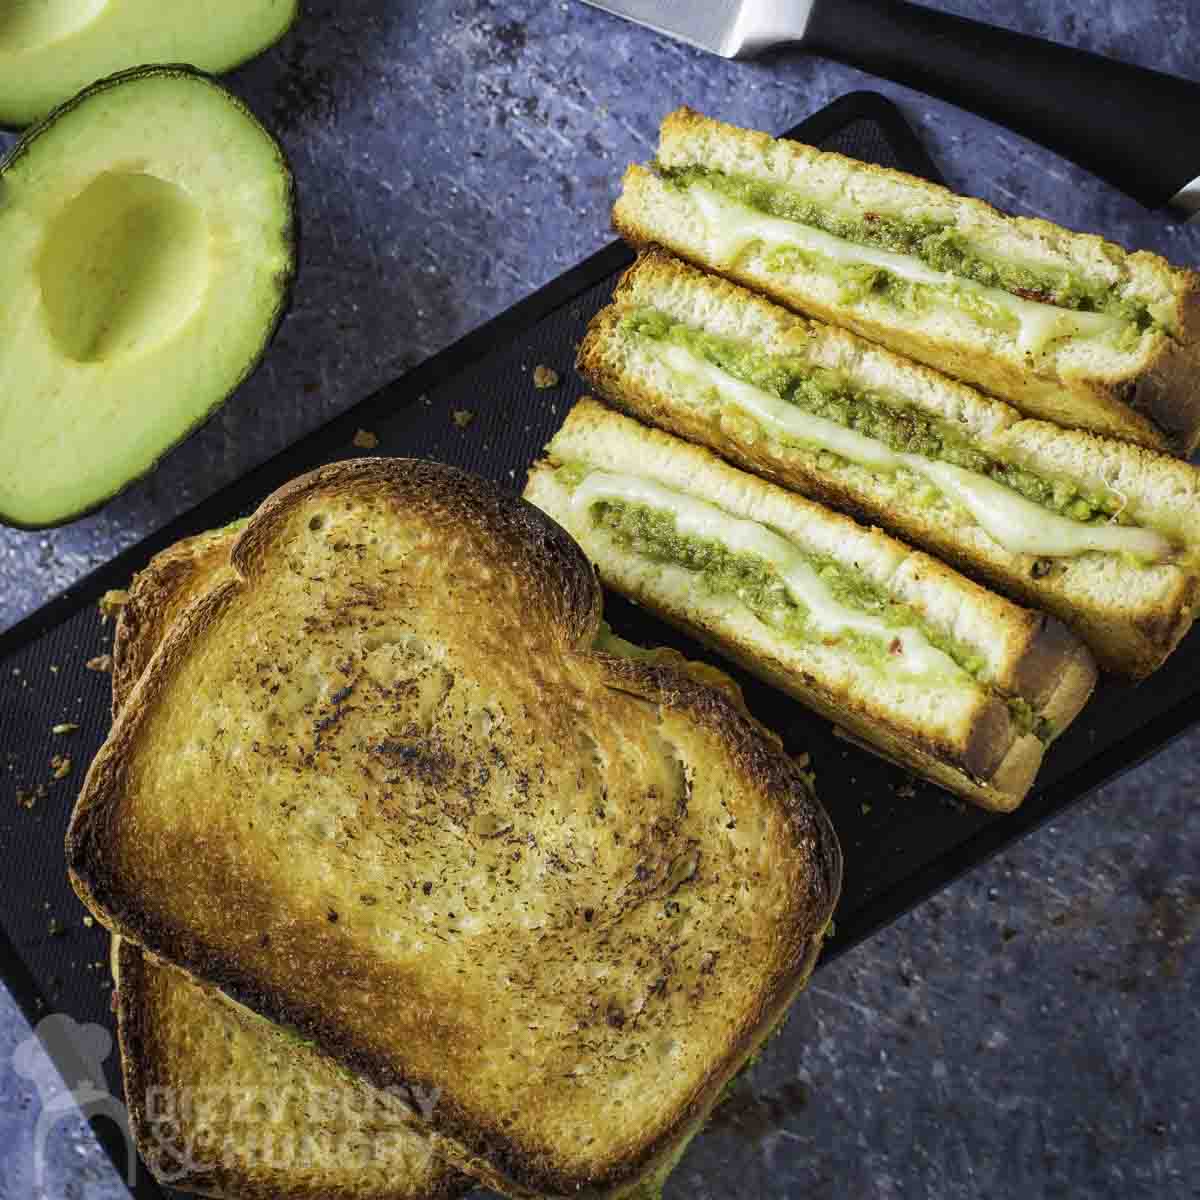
{"x":1017,"y":524}
{"x":733,"y":226}
{"x":914,"y":654}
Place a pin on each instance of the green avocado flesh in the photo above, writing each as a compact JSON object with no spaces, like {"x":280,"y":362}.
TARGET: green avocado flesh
{"x":50,"y":49}
{"x":652,"y":534}
{"x":829,"y":394}
{"x":148,"y":254}
{"x":937,"y":244}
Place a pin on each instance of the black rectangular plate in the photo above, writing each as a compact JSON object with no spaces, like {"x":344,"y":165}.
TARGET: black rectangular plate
{"x":899,"y":846}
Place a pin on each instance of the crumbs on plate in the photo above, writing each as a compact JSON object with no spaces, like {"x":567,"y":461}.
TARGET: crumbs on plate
{"x":544,"y":377}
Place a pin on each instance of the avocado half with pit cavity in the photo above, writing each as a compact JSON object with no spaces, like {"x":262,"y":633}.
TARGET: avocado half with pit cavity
{"x":49,"y":49}
{"x":148,"y":239}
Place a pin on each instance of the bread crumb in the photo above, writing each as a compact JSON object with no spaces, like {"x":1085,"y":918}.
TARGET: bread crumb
{"x":65,"y":727}
{"x":28,"y":797}
{"x":112,"y":602}
{"x":89,"y":920}
{"x":544,"y":377}
{"x":60,"y":765}
{"x":102,"y":662}
{"x":364,"y":439}
{"x":54,"y":668}
{"x":462,"y":417}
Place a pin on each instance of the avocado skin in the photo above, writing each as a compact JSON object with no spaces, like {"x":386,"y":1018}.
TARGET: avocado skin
{"x":285,"y":280}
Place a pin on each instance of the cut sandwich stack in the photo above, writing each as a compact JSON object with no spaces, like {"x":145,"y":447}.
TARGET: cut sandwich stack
{"x":1103,"y":534}
{"x":1066,"y":326}
{"x":1053,"y":489}
{"x":933,"y":670}
{"x":400,"y":909}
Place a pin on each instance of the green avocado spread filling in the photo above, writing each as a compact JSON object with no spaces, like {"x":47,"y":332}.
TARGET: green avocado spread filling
{"x":937,"y":244}
{"x":652,"y":534}
{"x":829,"y":394}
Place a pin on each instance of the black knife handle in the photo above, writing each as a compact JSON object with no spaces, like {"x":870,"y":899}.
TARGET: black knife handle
{"x":1138,"y":129}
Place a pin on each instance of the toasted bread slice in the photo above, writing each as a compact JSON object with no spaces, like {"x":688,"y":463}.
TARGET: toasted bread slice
{"x":830,"y":415}
{"x":1065,"y":326}
{"x":933,"y":670}
{"x":252,"y":1109}
{"x":558,"y":894}
{"x":224,"y":1103}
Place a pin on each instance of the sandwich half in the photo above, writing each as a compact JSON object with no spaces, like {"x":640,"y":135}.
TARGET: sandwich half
{"x":222,"y":1102}
{"x":1103,"y":534}
{"x":380,"y":786}
{"x":911,"y":658}
{"x":1065,"y":326}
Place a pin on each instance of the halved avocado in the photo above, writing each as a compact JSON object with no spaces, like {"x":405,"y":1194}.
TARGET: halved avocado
{"x":148,"y":245}
{"x":49,"y":49}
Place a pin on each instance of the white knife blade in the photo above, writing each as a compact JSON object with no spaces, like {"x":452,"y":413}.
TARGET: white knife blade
{"x":1128,"y":124}
{"x":730,"y":28}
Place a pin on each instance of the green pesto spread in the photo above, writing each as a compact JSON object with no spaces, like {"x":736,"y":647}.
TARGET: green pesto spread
{"x":935,"y":243}
{"x":652,"y":534}
{"x":829,"y":394}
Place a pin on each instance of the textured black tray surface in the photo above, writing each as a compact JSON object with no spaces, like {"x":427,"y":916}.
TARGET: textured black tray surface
{"x":901,"y":842}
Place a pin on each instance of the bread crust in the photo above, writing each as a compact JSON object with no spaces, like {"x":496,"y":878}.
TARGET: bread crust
{"x":157,"y":595}
{"x":1152,"y":402}
{"x":1131,"y":617}
{"x":552,"y":585}
{"x":150,"y":995}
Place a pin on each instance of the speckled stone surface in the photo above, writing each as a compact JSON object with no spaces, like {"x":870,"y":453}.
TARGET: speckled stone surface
{"x":1031,"y":1031}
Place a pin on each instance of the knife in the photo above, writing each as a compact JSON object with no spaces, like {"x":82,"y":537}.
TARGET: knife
{"x":1136,"y":128}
